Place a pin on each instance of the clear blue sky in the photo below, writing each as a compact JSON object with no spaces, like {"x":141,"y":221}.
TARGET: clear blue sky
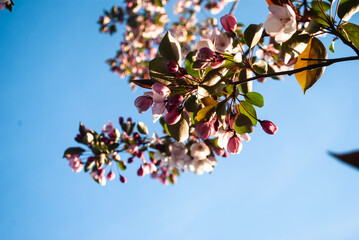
{"x":280,"y":187}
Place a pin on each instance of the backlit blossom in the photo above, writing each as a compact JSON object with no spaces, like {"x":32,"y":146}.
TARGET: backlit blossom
{"x":281,"y":22}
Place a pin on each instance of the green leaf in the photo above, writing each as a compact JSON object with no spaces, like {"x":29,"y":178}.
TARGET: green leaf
{"x":318,"y":7}
{"x":221,"y":108}
{"x":142,"y":128}
{"x":294,"y":46}
{"x":214,"y":76}
{"x":331,"y":46}
{"x":243,"y":124}
{"x":191,"y":104}
{"x":144,"y":83}
{"x":255,"y":99}
{"x":180,"y":130}
{"x":351,"y":32}
{"x":201,"y":114}
{"x":73,"y":151}
{"x":247,"y":86}
{"x":347,"y":8}
{"x":314,"y":50}
{"x":253,"y":34}
{"x":190,"y":59}
{"x":170,"y":48}
{"x":122,"y":165}
{"x":260,"y":67}
{"x":247,"y":109}
{"x":89,"y":165}
{"x":158,"y":71}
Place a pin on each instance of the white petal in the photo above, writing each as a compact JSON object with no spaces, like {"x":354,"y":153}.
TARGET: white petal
{"x":278,"y":11}
{"x":245,"y":137}
{"x":273,"y":25}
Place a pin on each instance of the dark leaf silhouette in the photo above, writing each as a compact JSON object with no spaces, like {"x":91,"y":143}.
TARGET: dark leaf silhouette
{"x":351,"y":158}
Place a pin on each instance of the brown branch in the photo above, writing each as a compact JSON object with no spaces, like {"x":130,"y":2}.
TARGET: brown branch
{"x":325,"y":63}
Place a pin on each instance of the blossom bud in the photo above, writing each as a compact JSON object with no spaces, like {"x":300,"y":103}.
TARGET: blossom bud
{"x":175,"y":100}
{"x":229,"y":23}
{"x":130,"y":160}
{"x":203,"y":130}
{"x":234,"y":145}
{"x":143,"y":103}
{"x":123,"y":179}
{"x":172,"y":66}
{"x":101,"y":173}
{"x":173,"y":117}
{"x":161,"y":89}
{"x":120,"y":120}
{"x":111,"y":176}
{"x":219,"y":151}
{"x":140,"y":172}
{"x":268,"y":127}
{"x":205,"y":54}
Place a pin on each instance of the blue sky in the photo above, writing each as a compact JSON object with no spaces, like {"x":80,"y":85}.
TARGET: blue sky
{"x":53,"y":75}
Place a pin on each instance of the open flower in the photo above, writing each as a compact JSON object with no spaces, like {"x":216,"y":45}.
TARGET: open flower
{"x":280,"y":23}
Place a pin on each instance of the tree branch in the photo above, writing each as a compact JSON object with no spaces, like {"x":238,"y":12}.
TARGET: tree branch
{"x":326,"y":62}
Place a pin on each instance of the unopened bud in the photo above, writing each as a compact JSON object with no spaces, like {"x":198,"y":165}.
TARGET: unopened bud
{"x":229,"y":23}
{"x":205,"y":54}
{"x":268,"y":127}
{"x":234,"y":145}
{"x":111,"y":176}
{"x":173,"y":117}
{"x":123,"y":179}
{"x":203,"y":130}
{"x":140,"y":172}
{"x":130,"y":160}
{"x":172,"y":66}
{"x":143,"y":103}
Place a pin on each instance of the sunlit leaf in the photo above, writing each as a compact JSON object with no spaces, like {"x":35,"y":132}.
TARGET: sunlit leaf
{"x":260,"y":67}
{"x":243,"y":124}
{"x":351,"y":32}
{"x":190,"y":59}
{"x":209,"y":101}
{"x":201,"y":114}
{"x":158,"y":71}
{"x":255,"y":99}
{"x":314,"y":50}
{"x":214,"y":76}
{"x":170,"y":48}
{"x":294,"y":46}
{"x":122,"y":165}
{"x":73,"y":151}
{"x":247,"y":109}
{"x":347,"y":8}
{"x":180,"y":130}
{"x":253,"y":34}
{"x":142,"y":128}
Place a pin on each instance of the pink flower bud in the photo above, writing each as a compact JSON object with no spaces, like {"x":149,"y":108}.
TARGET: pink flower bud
{"x":143,"y":103}
{"x":140,"y":172}
{"x":268,"y":127}
{"x":120,"y":120}
{"x":173,"y":117}
{"x":205,"y":54}
{"x":101,"y":173}
{"x":123,"y":179}
{"x":130,"y":160}
{"x":172,"y":66}
{"x":203,"y":130}
{"x":234,"y":145}
{"x":160,"y":92}
{"x":111,"y":176}
{"x":219,"y":151}
{"x":175,"y":100}
{"x":229,"y":23}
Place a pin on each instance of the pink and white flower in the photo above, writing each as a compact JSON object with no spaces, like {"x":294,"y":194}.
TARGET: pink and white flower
{"x":281,"y":23}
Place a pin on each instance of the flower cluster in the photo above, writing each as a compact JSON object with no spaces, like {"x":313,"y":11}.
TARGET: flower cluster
{"x":6,"y":4}
{"x":200,"y":82}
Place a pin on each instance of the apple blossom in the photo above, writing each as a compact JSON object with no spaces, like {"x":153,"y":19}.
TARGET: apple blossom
{"x":281,"y":22}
